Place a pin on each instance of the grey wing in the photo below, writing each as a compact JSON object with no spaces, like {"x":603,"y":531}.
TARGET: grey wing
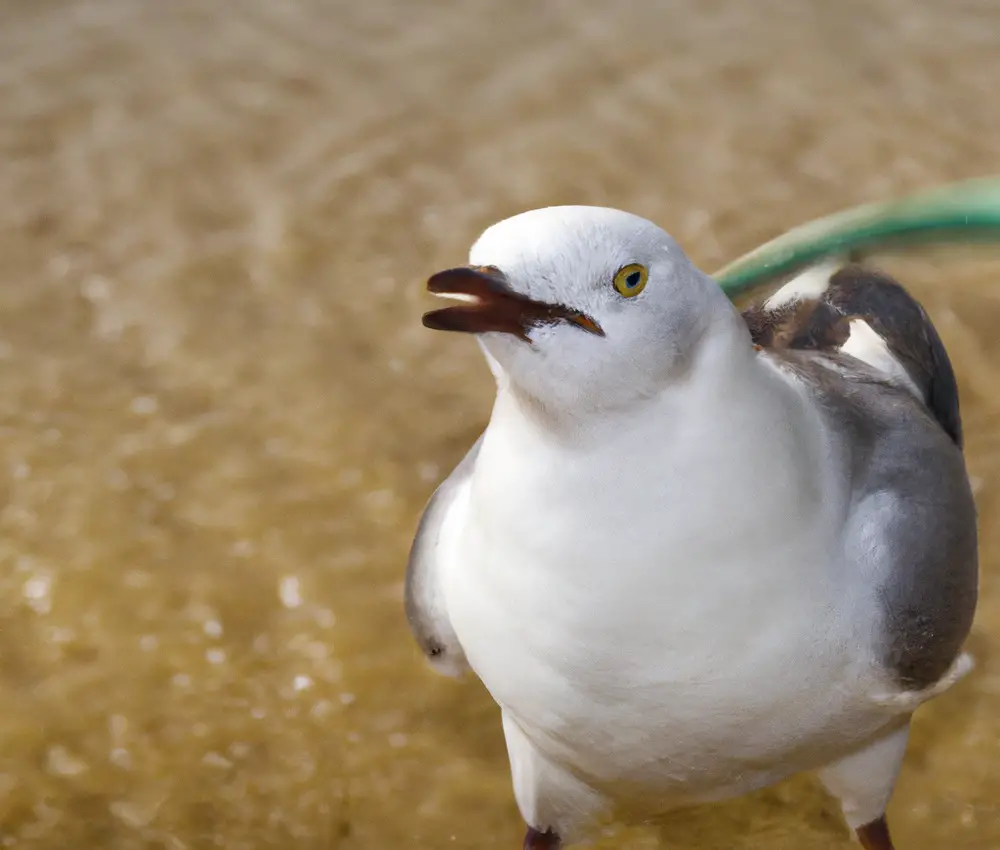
{"x":911,"y":536}
{"x":912,"y":533}
{"x":423,"y":600}
{"x":919,"y":543}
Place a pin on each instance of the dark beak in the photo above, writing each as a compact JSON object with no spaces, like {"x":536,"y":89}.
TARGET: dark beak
{"x":493,"y":307}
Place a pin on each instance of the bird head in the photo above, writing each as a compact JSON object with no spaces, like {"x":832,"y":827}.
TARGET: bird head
{"x":584,"y":306}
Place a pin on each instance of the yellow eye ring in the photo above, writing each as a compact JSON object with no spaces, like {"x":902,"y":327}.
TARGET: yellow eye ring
{"x":630,"y":280}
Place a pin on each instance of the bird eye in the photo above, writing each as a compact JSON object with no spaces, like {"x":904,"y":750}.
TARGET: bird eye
{"x":630,"y":280}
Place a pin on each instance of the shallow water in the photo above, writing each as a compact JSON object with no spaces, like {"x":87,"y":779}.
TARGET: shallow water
{"x":221,"y":415}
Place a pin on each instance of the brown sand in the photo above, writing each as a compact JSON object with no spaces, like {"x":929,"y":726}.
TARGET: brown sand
{"x":221,"y":415}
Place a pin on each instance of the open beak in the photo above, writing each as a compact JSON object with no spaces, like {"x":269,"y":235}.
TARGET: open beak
{"x":490,"y":305}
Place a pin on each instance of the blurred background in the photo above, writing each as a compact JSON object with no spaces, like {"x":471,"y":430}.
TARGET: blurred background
{"x":221,"y":416}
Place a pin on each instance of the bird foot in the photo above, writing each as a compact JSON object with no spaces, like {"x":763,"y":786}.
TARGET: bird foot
{"x":874,"y":835}
{"x":535,"y":840}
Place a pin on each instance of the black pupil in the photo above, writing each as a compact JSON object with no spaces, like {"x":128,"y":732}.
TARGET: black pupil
{"x":632,"y":280}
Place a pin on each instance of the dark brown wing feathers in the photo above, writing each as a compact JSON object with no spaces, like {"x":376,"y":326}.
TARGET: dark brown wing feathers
{"x":856,"y":292}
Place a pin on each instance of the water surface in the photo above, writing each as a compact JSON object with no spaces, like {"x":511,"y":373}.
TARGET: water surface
{"x":221,"y":416}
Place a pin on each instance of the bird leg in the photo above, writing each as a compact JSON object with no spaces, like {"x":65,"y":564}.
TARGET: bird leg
{"x":548,"y":840}
{"x":874,"y":835}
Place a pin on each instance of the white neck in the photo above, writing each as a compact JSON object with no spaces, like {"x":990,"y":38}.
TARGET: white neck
{"x":711,"y":341}
{"x":731,"y":430}
{"x":719,"y":365}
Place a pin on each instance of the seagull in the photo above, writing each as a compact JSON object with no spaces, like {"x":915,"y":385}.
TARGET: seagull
{"x":696,"y":550}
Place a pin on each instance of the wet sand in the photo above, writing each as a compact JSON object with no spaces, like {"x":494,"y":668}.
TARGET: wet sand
{"x":221,"y":415}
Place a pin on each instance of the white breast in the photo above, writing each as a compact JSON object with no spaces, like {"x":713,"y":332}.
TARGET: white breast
{"x":662,"y":611}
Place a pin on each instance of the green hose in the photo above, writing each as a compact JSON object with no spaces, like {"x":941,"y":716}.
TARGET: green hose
{"x":965,"y":211}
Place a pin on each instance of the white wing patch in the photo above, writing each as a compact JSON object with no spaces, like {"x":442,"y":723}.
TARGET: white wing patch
{"x":868,"y":347}
{"x":810,"y":284}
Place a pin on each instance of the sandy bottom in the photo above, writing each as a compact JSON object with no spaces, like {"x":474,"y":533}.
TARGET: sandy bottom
{"x":221,"y":415}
